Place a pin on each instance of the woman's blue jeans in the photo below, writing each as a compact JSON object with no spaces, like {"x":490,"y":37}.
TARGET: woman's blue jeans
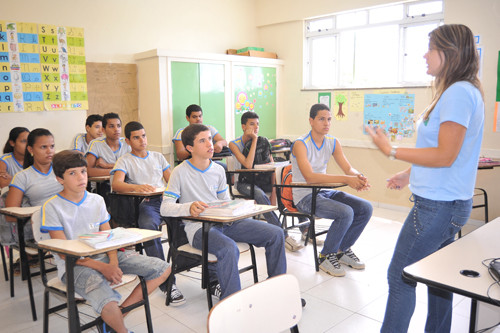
{"x":430,"y":226}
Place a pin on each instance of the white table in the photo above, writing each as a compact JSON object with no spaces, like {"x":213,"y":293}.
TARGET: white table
{"x":443,"y":268}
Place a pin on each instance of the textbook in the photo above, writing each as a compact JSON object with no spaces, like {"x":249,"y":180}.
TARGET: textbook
{"x":229,"y":208}
{"x":107,"y":238}
{"x":273,"y":165}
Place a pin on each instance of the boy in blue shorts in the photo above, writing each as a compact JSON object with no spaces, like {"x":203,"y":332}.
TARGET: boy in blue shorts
{"x":144,"y":171}
{"x":73,"y":212}
{"x":197,"y":181}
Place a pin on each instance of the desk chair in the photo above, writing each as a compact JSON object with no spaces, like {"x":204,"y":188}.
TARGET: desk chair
{"x":185,"y":257}
{"x":4,"y":263}
{"x":57,"y":287}
{"x":285,"y":212}
{"x":252,"y":310}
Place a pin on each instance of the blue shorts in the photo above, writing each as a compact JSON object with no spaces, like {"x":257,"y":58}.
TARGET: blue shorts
{"x":94,"y":287}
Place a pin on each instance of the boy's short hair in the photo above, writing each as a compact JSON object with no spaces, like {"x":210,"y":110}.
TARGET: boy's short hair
{"x":132,"y":126}
{"x":67,"y":159}
{"x":190,"y":132}
{"x":193,"y":108}
{"x":316,"y":108}
{"x":107,"y":116}
{"x":92,"y":119}
{"x":248,"y":115}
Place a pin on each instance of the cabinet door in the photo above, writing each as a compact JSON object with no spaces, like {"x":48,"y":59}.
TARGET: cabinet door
{"x":255,"y":90}
{"x":212,"y":96}
{"x":185,"y":90}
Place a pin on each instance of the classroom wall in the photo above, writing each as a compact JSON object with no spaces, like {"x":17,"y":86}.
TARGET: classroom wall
{"x":280,"y":24}
{"x":115,"y":30}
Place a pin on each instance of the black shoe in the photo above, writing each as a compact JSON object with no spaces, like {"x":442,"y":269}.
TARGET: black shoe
{"x":176,"y":297}
{"x":215,"y":290}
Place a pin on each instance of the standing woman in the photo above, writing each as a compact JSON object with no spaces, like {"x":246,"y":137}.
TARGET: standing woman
{"x":442,"y":174}
{"x":37,"y":181}
{"x":12,"y":160}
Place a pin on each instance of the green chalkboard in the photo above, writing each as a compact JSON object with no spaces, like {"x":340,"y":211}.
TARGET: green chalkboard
{"x":255,"y":90}
{"x":202,"y":84}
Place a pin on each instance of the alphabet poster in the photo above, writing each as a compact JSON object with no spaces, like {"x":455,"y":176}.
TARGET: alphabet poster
{"x":42,"y":67}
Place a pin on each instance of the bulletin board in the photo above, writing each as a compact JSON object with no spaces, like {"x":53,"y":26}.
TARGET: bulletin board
{"x":42,"y":67}
{"x":113,"y":88}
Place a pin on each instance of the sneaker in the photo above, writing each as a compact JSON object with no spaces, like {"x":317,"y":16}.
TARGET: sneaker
{"x":350,"y":259}
{"x":215,"y":290}
{"x":105,"y":328}
{"x":330,"y":264}
{"x":319,"y":241}
{"x":292,"y":245}
{"x":176,"y":297}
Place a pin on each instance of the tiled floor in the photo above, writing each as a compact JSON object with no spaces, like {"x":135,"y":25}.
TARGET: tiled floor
{"x":354,"y":303}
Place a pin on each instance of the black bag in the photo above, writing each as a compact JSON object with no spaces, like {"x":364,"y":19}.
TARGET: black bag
{"x":280,"y":143}
{"x":262,"y":156}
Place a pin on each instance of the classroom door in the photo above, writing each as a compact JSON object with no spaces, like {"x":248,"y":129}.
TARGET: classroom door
{"x":255,"y":90}
{"x":202,"y":84}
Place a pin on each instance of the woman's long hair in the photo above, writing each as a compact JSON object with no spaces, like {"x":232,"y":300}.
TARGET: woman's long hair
{"x":460,"y":63}
{"x":34,"y":134}
{"x":13,"y":135}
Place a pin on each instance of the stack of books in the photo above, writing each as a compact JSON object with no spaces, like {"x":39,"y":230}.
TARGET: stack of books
{"x":108,"y":238}
{"x":229,"y":208}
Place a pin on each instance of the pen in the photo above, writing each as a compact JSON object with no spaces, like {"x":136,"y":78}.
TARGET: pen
{"x":110,"y":235}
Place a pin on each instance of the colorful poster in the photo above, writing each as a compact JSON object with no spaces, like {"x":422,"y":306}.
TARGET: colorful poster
{"x":42,"y":67}
{"x":392,"y":112}
{"x":325,"y":98}
{"x":340,"y":105}
{"x":496,"y":122}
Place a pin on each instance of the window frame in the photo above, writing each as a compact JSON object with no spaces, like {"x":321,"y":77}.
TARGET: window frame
{"x":404,"y":23}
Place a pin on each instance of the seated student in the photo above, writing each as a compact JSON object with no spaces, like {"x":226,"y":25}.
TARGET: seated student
{"x":11,"y":162}
{"x":350,"y":214}
{"x":144,"y":171}
{"x":37,"y":182}
{"x":259,"y":152}
{"x":194,"y":115}
{"x":73,"y":212}
{"x":93,"y":127}
{"x":197,"y":181}
{"x":103,"y":152}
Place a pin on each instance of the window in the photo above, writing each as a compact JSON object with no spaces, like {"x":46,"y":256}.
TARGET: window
{"x":371,"y":47}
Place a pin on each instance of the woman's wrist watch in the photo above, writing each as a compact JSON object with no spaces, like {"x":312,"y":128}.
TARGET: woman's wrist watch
{"x":392,"y":154}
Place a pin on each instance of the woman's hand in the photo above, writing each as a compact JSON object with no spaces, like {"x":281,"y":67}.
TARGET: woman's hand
{"x":379,"y":139}
{"x":399,"y":180}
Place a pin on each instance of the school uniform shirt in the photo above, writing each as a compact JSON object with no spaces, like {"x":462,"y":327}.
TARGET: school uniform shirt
{"x":318,"y":157}
{"x":35,"y":185}
{"x":73,"y":218}
{"x":100,"y":149}
{"x":188,"y":184}
{"x":80,"y":143}
{"x":143,"y":170}
{"x":460,"y":103}
{"x":12,"y":165}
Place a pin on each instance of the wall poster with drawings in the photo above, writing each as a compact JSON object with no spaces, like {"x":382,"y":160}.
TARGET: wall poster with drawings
{"x":392,"y":112}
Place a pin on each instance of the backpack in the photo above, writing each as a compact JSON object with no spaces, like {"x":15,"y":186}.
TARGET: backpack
{"x":262,"y":156}
{"x":280,"y":143}
{"x":286,"y":192}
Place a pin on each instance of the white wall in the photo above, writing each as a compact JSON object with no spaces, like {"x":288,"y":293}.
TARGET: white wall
{"x":117,"y":29}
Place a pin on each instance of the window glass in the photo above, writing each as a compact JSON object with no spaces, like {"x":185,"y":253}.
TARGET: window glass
{"x":386,"y":14}
{"x":323,"y":62}
{"x":419,"y":9}
{"x":320,"y":25}
{"x":417,"y":42}
{"x":354,"y":19}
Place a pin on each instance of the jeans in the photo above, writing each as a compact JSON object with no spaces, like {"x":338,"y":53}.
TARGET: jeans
{"x":149,"y":218}
{"x":350,"y":215}
{"x":430,"y":226}
{"x":221,"y":243}
{"x":260,"y":198}
{"x":93,"y":286}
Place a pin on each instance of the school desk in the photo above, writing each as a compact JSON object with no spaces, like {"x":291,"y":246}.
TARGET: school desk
{"x":73,"y":250}
{"x":207,"y":222}
{"x":459,"y":268}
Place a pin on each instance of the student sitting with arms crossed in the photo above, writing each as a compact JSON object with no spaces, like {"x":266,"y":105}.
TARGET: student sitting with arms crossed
{"x":11,"y":162}
{"x":259,"y":151}
{"x":198,"y":181}
{"x":350,"y":214}
{"x":103,"y":152}
{"x":73,"y":212}
{"x":194,"y":115}
{"x":93,"y":127}
{"x":144,"y":171}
